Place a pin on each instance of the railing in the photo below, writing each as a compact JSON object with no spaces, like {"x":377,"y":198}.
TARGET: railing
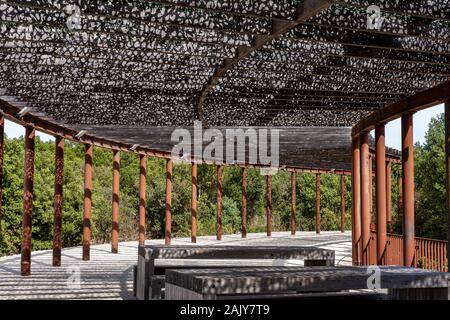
{"x":430,"y":254}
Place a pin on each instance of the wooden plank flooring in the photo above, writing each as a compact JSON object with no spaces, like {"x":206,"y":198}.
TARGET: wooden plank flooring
{"x":109,"y":276}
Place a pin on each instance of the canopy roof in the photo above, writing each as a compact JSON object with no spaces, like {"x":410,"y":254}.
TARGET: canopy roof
{"x":227,"y":63}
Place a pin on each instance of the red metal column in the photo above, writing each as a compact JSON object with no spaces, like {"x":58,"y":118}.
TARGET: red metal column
{"x":381,"y":192}
{"x":342,"y":203}
{"x":28,"y":182}
{"x":2,"y":147}
{"x":294,"y":203}
{"x":318,"y":203}
{"x":356,"y":202}
{"x":58,"y":200}
{"x":269,"y":206}
{"x":244,"y":202}
{"x":408,"y":189}
{"x":365,"y":198}
{"x":389,"y":196}
{"x":168,"y":228}
{"x":142,"y":197}
{"x":115,"y":202}
{"x":447,"y":163}
{"x":194,"y":204}
{"x":87,"y":204}
{"x":371,"y":184}
{"x":400,"y":197}
{"x":219,"y":203}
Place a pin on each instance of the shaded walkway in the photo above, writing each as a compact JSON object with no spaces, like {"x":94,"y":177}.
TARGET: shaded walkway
{"x":109,"y":276}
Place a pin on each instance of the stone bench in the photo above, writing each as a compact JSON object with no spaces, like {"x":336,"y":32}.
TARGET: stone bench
{"x":398,"y":283}
{"x":153,"y":261}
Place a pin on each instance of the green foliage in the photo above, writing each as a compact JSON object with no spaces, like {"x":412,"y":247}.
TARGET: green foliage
{"x":431,"y":209}
{"x":11,"y":215}
{"x":431,"y":217}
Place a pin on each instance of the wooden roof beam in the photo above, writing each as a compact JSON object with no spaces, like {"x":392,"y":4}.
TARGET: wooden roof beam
{"x":414,"y":103}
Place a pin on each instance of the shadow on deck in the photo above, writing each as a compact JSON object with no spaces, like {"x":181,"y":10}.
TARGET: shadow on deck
{"x":109,"y":276}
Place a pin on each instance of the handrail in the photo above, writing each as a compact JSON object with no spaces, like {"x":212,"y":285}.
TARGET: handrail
{"x":430,"y":254}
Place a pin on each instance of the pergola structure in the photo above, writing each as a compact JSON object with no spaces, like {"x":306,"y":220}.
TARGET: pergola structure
{"x":123,"y":75}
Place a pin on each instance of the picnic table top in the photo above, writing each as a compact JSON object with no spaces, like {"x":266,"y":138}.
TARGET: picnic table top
{"x":235,"y":252}
{"x":305,"y":279}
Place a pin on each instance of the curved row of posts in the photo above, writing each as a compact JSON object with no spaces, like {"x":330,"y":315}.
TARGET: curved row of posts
{"x":361,"y":178}
{"x":30,"y":132}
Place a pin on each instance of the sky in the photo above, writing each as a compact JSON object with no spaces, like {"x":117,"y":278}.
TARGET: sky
{"x":393,"y":129}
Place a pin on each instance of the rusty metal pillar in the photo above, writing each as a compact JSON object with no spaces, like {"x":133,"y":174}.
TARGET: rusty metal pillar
{"x":343,"y":203}
{"x":318,"y":203}
{"x":269,"y":206}
{"x":168,"y":226}
{"x":25,"y":266}
{"x":87,"y":204}
{"x":219,"y":171}
{"x":356,"y":202}
{"x":58,"y":200}
{"x":371,"y":184}
{"x":447,"y":164}
{"x":2,"y":149}
{"x":115,"y":202}
{"x":194,"y":204}
{"x":294,"y":203}
{"x":365,"y":198}
{"x":408,"y":189}
{"x":381,"y":193}
{"x":142,"y":197}
{"x":400,"y":197}
{"x":389,"y":196}
{"x":244,"y":202}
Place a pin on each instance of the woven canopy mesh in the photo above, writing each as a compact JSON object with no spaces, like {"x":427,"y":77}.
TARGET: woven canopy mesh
{"x":227,"y":63}
{"x":151,"y":62}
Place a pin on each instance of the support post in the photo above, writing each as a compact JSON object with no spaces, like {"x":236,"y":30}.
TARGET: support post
{"x":168,"y":226}
{"x":356,"y":202}
{"x":294,"y":203}
{"x":25,"y":266}
{"x":371,"y":184}
{"x":343,"y":203}
{"x":269,"y":206}
{"x":219,"y":171}
{"x":194,"y":204}
{"x":142,"y":197}
{"x":389,"y":196}
{"x":400,"y":196}
{"x":318,"y":203}
{"x":408,"y":189}
{"x":365,"y":198}
{"x":115,"y":202}
{"x":381,"y":193}
{"x":244,"y":202}
{"x":87,"y":204}
{"x":447,"y":164}
{"x":58,"y":200}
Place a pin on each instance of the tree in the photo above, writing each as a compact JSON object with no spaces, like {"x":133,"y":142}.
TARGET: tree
{"x":431,"y":211}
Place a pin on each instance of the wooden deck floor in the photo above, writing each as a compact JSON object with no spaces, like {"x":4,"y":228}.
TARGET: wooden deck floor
{"x":109,"y":276}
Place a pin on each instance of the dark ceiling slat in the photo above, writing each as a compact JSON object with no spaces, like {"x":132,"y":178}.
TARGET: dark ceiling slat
{"x":305,"y":10}
{"x":354,"y":18}
{"x":44,"y":76}
{"x":434,"y":10}
{"x":166,"y":16}
{"x":366,"y":38}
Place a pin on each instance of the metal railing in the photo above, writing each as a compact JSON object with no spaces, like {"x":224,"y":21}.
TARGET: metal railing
{"x":430,"y":254}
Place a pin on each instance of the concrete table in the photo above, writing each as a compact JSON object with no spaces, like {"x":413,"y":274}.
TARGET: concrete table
{"x":153,"y":261}
{"x":400,"y":282}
